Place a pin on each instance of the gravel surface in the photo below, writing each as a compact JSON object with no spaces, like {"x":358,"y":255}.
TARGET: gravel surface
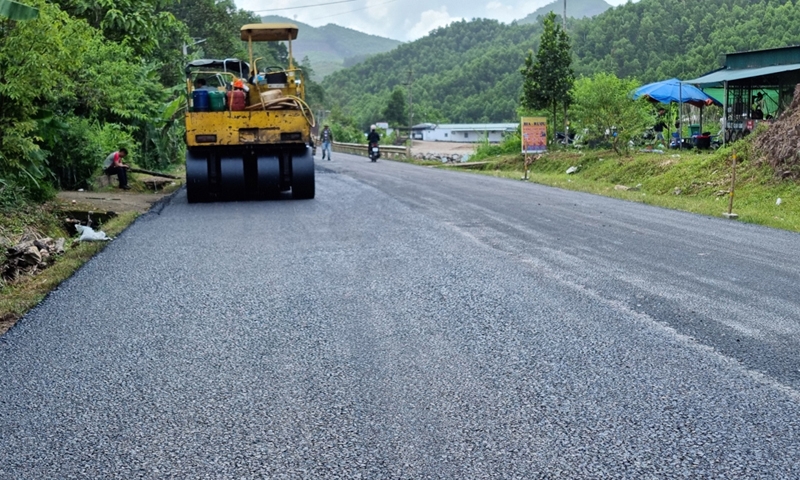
{"x":413,"y":323}
{"x":445,"y":148}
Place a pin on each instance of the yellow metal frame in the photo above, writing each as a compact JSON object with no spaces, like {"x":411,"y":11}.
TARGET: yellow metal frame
{"x":257,"y":126}
{"x":268,"y":32}
{"x":234,"y":128}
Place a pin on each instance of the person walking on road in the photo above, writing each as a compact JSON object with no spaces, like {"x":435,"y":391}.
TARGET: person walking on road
{"x":113,"y":166}
{"x":327,"y":138}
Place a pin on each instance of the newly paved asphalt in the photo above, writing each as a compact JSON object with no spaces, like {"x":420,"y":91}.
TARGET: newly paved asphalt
{"x":413,"y":323}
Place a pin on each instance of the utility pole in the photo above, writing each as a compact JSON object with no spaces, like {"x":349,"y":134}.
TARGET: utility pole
{"x":409,"y":84}
{"x":185,"y":49}
{"x":566,"y":120}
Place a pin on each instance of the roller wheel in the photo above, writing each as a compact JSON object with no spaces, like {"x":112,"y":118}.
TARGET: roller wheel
{"x":269,"y":177}
{"x":303,"y":174}
{"x":231,"y":181}
{"x":197,"y":185}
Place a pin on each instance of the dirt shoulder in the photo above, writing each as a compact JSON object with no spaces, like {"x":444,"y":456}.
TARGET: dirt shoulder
{"x":115,"y":200}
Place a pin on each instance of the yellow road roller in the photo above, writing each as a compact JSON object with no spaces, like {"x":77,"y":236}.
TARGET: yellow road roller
{"x":248,"y":129}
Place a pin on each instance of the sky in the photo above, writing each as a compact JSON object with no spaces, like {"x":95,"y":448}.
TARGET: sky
{"x":403,"y":20}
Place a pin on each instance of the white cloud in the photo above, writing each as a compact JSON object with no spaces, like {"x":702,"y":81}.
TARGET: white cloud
{"x":500,"y":11}
{"x":430,"y":20}
{"x":377,"y":9}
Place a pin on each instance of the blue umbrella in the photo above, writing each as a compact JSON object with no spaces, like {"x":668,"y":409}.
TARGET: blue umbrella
{"x":673,"y":90}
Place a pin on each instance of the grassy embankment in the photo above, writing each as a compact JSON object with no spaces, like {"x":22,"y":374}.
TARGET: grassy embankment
{"x":46,"y":220}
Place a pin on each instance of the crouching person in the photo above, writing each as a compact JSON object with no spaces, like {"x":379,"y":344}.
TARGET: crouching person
{"x":113,"y":166}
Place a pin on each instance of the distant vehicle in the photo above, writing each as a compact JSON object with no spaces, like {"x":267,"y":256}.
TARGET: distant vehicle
{"x":248,"y":129}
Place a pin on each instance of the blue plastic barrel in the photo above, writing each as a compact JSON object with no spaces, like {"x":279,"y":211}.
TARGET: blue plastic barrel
{"x":200,"y":100}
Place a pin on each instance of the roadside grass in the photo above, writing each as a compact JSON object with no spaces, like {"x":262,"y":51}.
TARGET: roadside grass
{"x":691,"y":181}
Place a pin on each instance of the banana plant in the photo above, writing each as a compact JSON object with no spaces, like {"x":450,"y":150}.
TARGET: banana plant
{"x":17,"y":11}
{"x":165,"y":143}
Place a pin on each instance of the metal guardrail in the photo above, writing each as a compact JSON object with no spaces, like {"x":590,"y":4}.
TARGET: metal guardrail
{"x":387,"y":151}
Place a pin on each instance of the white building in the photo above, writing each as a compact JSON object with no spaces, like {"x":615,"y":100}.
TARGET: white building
{"x":462,"y":132}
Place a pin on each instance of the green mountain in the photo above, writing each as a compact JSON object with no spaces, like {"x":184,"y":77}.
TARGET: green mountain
{"x":458,"y":73}
{"x":469,"y":71}
{"x":330,"y":48}
{"x":638,"y":40}
{"x":575,"y":9}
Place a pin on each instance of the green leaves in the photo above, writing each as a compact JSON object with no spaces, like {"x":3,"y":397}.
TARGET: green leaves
{"x":66,"y":95}
{"x":218,"y":21}
{"x":143,"y":25}
{"x":604,"y":109}
{"x":395,"y":111}
{"x":17,"y":11}
{"x":344,"y":128}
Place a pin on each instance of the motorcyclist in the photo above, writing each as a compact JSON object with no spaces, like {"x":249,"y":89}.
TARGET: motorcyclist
{"x":372,"y":140}
{"x":373,"y":136}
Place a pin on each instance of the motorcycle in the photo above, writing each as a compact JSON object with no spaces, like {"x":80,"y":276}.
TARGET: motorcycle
{"x":560,"y":138}
{"x":374,"y":152}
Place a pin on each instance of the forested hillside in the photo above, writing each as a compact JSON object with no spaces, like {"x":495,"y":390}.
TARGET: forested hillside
{"x":330,"y":48}
{"x":575,"y":9}
{"x":459,"y":73}
{"x":658,"y":39}
{"x":469,"y":71}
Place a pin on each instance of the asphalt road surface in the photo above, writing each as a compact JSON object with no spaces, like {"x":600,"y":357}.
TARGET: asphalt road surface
{"x":413,"y":323}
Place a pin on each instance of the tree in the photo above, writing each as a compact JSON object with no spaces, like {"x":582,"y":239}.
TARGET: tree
{"x":603,"y":106}
{"x":547,"y":81}
{"x":395,"y":111}
{"x":216,"y":23}
{"x":344,"y":127}
{"x":139,"y":24}
{"x":95,"y":95}
{"x":145,"y":26}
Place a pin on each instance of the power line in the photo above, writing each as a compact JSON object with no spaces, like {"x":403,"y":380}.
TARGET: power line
{"x":354,"y":10}
{"x":304,"y":6}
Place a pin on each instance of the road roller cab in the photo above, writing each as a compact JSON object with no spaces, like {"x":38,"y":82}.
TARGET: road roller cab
{"x":248,"y":128}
